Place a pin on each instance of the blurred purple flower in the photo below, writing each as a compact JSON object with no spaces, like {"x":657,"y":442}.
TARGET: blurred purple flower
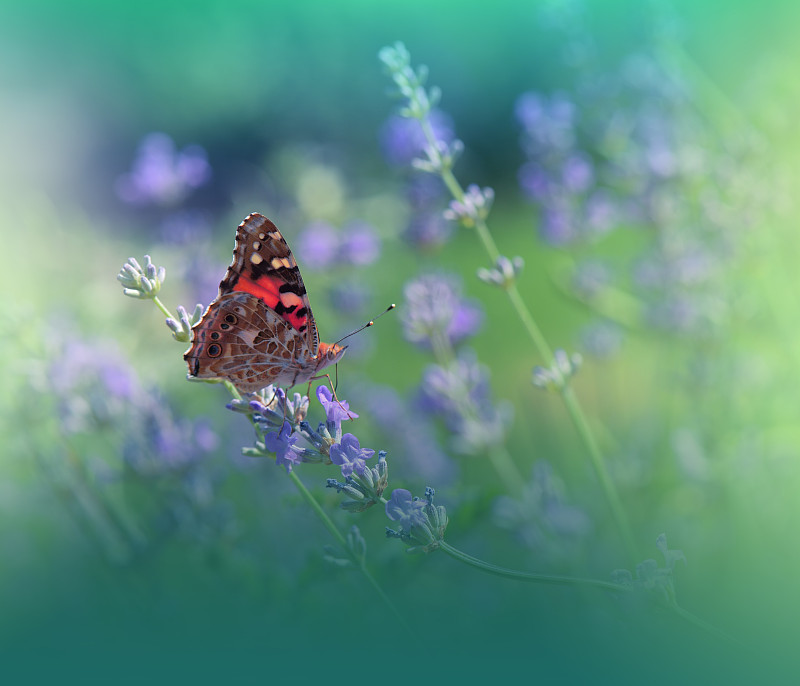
{"x":360,"y":244}
{"x":350,"y":295}
{"x":460,"y":394}
{"x":541,"y":518}
{"x":603,"y":339}
{"x":578,"y":173}
{"x":548,"y":123}
{"x":318,"y":245}
{"x":185,"y":227}
{"x":434,"y":308}
{"x":350,"y":456}
{"x":282,"y":444}
{"x":412,"y":430}
{"x":402,"y":139}
{"x":161,"y":174}
{"x":428,"y":229}
{"x":403,"y":508}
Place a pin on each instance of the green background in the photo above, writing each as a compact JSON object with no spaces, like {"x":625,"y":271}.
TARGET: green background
{"x":274,"y":91}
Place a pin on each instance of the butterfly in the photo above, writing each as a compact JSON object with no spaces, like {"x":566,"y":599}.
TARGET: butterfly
{"x":260,"y":330}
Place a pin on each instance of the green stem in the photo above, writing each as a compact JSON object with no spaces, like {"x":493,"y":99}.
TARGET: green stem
{"x":549,"y":579}
{"x":162,"y":307}
{"x":557,"y":580}
{"x":596,"y":456}
{"x":544,"y":350}
{"x":340,"y":539}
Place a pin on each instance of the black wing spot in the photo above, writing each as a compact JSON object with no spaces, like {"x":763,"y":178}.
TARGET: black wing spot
{"x":215,"y":335}
{"x":302,"y":328}
{"x":302,"y":312}
{"x":231,"y":318}
{"x":214,"y":350}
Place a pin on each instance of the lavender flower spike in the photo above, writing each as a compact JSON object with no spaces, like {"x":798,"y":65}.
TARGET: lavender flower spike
{"x":141,"y":282}
{"x":282,"y":444}
{"x":403,"y":508}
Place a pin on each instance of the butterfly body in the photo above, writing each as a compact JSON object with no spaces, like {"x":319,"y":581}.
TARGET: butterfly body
{"x":260,"y":329}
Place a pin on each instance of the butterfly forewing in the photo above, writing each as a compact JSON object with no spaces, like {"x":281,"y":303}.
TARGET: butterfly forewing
{"x":263,"y":265}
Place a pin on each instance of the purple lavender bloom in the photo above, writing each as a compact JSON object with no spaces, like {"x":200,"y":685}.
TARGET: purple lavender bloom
{"x":402,"y":139}
{"x":577,"y":173}
{"x":185,"y":227}
{"x":557,"y":224}
{"x":282,"y":444}
{"x":360,"y":244}
{"x":336,"y":411}
{"x":161,"y":174}
{"x":534,"y":181}
{"x":350,"y":456}
{"x":460,"y":395}
{"x":413,"y":431}
{"x":541,"y":518}
{"x":318,"y":245}
{"x":548,"y":123}
{"x":434,"y":307}
{"x":428,"y":229}
{"x":403,"y":508}
{"x":350,"y":295}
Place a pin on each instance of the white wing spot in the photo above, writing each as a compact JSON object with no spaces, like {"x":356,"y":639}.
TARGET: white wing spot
{"x":278,"y":262}
{"x":256,"y":245}
{"x":262,"y":236}
{"x":255,"y":258}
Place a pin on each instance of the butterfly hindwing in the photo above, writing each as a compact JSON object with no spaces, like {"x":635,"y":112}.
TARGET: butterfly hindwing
{"x":243,"y":341}
{"x":263,"y":265}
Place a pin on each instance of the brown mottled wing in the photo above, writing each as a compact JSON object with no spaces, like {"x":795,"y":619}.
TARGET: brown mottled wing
{"x":263,"y":265}
{"x":242,"y":340}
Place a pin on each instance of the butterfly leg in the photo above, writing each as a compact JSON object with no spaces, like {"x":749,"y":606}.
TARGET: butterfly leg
{"x":333,"y":391}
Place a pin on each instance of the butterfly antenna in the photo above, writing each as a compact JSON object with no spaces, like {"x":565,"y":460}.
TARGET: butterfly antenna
{"x":368,"y":324}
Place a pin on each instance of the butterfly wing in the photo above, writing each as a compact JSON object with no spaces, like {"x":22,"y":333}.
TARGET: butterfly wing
{"x":263,"y":265}
{"x":242,"y":340}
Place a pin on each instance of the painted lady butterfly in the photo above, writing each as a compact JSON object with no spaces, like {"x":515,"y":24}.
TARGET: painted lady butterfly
{"x":260,"y":330}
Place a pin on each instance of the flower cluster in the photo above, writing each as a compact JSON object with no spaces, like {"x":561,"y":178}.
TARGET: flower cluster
{"x":162,"y":456}
{"x":161,"y":174}
{"x":321,"y":246}
{"x":436,"y":312}
{"x":141,"y":282}
{"x":557,"y":376}
{"x":541,"y":518}
{"x":420,"y":522}
{"x":650,"y":576}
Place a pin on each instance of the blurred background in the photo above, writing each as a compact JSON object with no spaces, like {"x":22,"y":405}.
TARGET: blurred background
{"x":643,"y":159}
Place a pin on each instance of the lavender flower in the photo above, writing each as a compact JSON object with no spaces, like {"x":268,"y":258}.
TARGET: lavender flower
{"x":350,"y":456}
{"x":141,"y":282}
{"x":403,"y":508}
{"x":360,"y":244}
{"x":364,"y":488}
{"x":421,"y":522}
{"x":282,"y":443}
{"x":459,"y":393}
{"x":541,"y":518}
{"x":412,"y":430}
{"x":161,"y":174}
{"x":318,"y":245}
{"x":336,"y":411}
{"x":402,"y":138}
{"x":435,"y":310}
{"x":473,"y":207}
